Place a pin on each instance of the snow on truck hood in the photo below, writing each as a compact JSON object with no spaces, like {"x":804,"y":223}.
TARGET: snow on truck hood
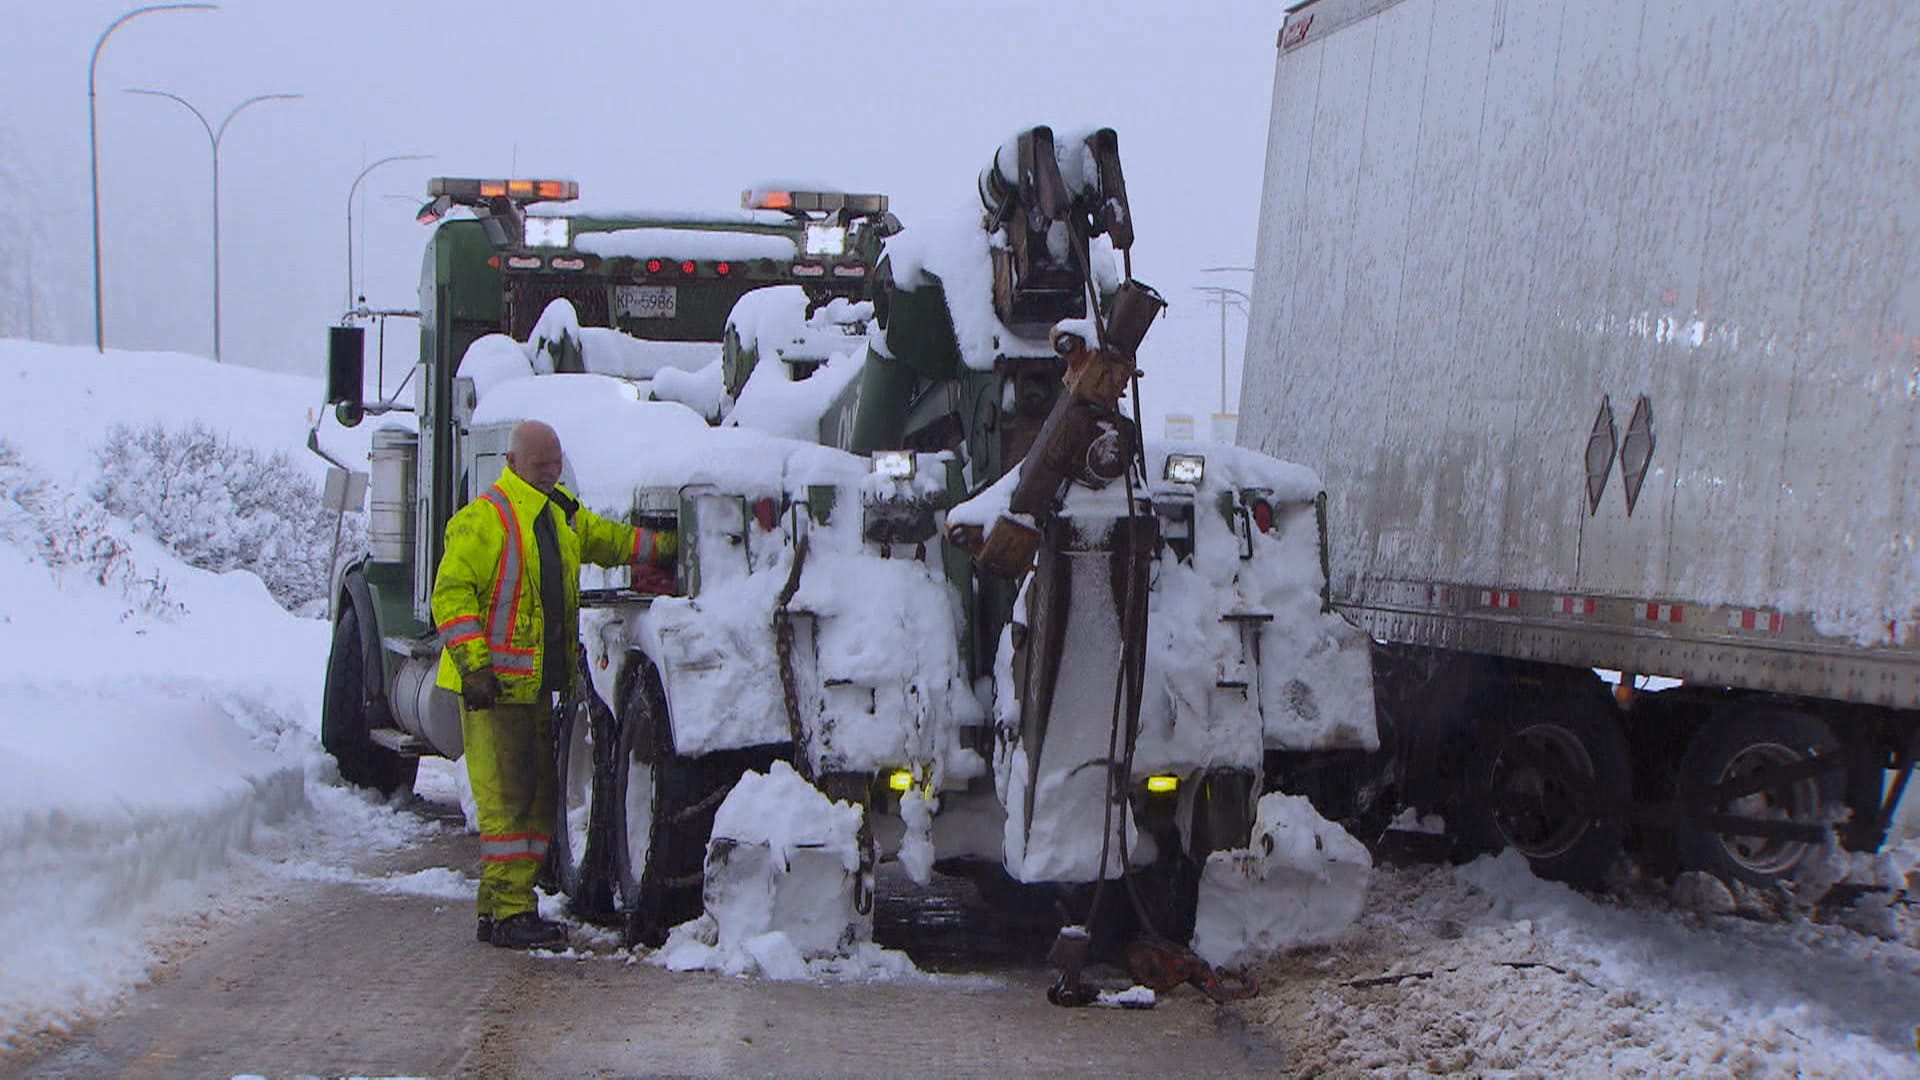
{"x":615,"y":442}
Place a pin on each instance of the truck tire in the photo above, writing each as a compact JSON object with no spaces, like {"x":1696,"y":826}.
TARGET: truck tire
{"x":1736,"y":745}
{"x":1555,"y":783}
{"x":346,"y":720}
{"x":664,"y":804}
{"x":583,"y":827}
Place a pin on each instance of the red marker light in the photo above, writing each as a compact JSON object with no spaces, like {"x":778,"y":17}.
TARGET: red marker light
{"x":723,"y":268}
{"x":1263,"y":516}
{"x":653,"y":266}
{"x":687,"y":268}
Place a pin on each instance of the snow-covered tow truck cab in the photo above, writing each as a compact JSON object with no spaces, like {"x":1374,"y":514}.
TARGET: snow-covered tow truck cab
{"x":519,"y":279}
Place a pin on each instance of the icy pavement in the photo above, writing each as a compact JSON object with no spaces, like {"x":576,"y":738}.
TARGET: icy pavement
{"x":1485,"y":970}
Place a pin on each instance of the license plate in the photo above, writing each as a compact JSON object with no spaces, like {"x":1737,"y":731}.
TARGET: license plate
{"x":646,"y":301}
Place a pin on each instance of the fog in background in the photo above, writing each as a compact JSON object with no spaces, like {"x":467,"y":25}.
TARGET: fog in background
{"x":645,"y":104}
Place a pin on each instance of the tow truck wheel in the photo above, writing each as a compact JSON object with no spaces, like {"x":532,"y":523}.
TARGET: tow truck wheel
{"x":345,"y":722}
{"x":664,"y":807}
{"x":586,"y":779}
{"x":1735,"y":749}
{"x":1556,"y":786}
{"x":634,"y":796}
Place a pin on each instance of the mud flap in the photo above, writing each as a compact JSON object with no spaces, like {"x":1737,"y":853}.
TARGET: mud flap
{"x":1300,"y":880}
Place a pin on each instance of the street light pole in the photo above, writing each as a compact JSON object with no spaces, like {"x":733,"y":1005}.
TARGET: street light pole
{"x":93,"y":147}
{"x":1225,"y":297}
{"x":354,"y":190}
{"x":214,"y":136}
{"x":1220,"y":294}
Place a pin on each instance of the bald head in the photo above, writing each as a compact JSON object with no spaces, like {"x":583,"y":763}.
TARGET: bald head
{"x":533,"y":453}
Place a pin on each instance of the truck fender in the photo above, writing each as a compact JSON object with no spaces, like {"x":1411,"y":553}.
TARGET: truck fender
{"x":353,"y":590}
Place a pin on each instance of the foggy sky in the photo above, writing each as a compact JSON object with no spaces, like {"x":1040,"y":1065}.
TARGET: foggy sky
{"x":645,"y":104}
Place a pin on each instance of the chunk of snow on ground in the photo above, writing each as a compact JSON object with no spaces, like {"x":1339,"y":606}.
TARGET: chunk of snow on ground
{"x":1133,"y":997}
{"x":782,"y":870}
{"x":1302,"y":879}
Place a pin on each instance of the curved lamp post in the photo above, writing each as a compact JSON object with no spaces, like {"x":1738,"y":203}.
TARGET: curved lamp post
{"x":354,"y":190}
{"x":93,"y":144}
{"x":214,"y":135}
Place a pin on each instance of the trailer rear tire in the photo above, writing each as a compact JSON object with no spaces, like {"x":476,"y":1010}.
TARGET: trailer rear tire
{"x":1555,"y":783}
{"x":1731,"y":747}
{"x":346,"y":717}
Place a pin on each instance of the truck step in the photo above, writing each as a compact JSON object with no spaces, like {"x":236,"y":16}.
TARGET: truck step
{"x":399,"y":741}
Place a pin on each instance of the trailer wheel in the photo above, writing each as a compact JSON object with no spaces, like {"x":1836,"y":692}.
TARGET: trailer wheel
{"x":1736,"y":748}
{"x":664,"y":805}
{"x":580,"y":834}
{"x":1556,"y":786}
{"x":345,"y":722}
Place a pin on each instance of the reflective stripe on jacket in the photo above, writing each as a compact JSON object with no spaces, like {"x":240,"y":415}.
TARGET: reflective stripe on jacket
{"x":486,"y":595}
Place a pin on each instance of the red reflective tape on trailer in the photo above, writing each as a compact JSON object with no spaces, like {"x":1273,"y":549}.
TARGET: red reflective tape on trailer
{"x":1497,"y":599}
{"x":1771,"y":622}
{"x":1666,"y":613}
{"x":1574,"y":605}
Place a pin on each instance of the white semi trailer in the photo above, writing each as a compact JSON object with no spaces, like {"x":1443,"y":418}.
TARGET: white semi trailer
{"x":1601,"y":322}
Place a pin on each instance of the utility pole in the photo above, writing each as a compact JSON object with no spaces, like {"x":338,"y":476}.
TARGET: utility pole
{"x":93,"y":147}
{"x":214,"y":135}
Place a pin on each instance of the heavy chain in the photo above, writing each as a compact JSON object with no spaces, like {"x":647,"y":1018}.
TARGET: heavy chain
{"x":783,"y":649}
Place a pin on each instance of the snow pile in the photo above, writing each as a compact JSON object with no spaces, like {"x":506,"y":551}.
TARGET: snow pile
{"x":559,"y":343}
{"x":772,"y":326}
{"x":772,"y":402}
{"x":1300,"y":881}
{"x":783,"y":871}
{"x":1486,"y":970}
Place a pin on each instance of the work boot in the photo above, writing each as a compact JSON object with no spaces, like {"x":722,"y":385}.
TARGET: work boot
{"x":484,"y":934}
{"x":528,"y":930}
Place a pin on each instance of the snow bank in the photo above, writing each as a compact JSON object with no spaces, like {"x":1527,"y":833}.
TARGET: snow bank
{"x":60,"y":401}
{"x":159,"y":723}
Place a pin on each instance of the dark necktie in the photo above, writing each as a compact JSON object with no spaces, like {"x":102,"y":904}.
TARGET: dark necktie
{"x":554,"y":654}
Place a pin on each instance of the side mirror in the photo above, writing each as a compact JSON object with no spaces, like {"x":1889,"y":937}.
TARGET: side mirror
{"x":346,"y":369}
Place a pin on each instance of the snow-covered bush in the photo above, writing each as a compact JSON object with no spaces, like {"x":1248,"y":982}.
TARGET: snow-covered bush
{"x":224,"y":507}
{"x":68,"y":532}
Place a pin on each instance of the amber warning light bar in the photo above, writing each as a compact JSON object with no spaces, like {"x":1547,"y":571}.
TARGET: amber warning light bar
{"x":520,"y":191}
{"x":815,"y":202}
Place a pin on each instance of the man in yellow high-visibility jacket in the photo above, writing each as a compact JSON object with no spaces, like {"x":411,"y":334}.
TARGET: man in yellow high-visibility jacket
{"x":506,"y":601}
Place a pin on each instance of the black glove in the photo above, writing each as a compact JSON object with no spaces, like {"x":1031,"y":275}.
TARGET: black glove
{"x":479,"y":689}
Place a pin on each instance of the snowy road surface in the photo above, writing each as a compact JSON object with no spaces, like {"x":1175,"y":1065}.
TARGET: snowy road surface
{"x":340,"y":978}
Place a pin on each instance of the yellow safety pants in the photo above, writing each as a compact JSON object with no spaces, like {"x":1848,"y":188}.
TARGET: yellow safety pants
{"x":510,"y":768}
